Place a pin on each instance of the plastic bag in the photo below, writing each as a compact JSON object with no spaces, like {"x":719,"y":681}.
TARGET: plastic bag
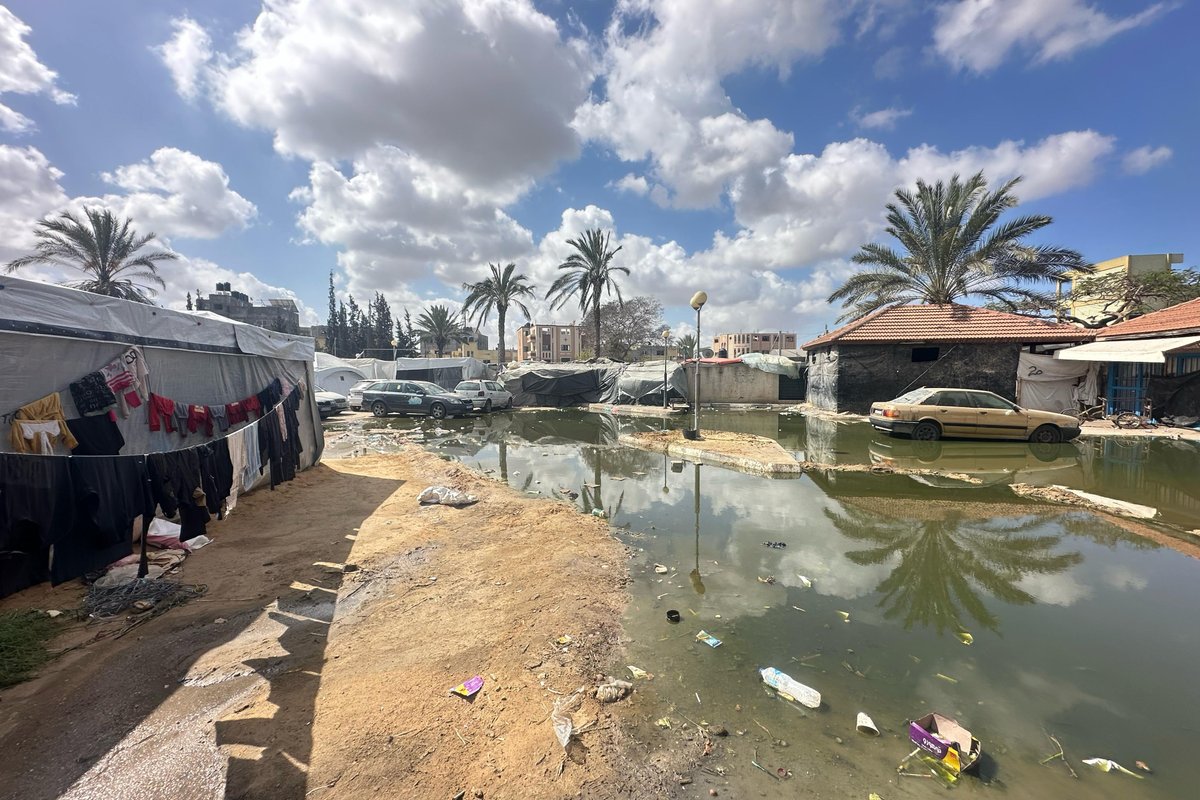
{"x":560,"y":717}
{"x":444,"y":495}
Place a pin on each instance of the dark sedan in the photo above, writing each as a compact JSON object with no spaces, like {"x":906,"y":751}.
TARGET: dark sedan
{"x":414,"y":397}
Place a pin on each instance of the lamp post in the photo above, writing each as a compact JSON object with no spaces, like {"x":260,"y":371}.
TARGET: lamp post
{"x":395,"y":344}
{"x":698,"y":301}
{"x":666,"y":337}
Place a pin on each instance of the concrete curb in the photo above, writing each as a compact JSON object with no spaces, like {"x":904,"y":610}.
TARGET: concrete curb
{"x":780,"y":464}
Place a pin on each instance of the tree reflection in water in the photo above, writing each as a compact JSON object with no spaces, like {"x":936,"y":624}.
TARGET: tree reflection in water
{"x":948,"y":564}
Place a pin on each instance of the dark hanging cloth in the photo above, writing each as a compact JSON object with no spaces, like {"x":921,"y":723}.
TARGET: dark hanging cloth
{"x":269,"y":397}
{"x":270,"y":445}
{"x":291,"y":405}
{"x":177,"y":487}
{"x":216,"y":474}
{"x":92,"y":395}
{"x":36,"y":508}
{"x":97,"y":436}
{"x":109,"y":493}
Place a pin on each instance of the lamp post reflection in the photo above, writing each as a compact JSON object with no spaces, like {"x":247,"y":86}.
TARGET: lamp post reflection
{"x":697,"y":582}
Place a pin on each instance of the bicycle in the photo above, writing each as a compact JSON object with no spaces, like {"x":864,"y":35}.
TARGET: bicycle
{"x":1124,"y":419}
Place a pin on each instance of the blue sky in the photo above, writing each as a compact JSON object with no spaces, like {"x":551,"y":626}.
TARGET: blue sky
{"x":744,"y":148}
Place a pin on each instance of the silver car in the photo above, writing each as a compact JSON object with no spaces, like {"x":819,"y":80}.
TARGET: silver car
{"x":484,"y":395}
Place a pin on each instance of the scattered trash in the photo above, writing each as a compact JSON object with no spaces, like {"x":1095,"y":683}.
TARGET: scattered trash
{"x":599,"y":512}
{"x":947,"y":678}
{"x":673,"y":616}
{"x":944,"y":745}
{"x":1108,"y":765}
{"x":217,"y":621}
{"x":663,"y":722}
{"x":845,"y":615}
{"x":708,"y":639}
{"x":612,"y":690}
{"x":874,"y":796}
{"x":769,"y":580}
{"x":54,"y":613}
{"x":196,"y":542}
{"x":775,"y":545}
{"x":805,"y":582}
{"x":661,"y":569}
{"x":864,"y":724}
{"x":965,"y":637}
{"x":443,"y":495}
{"x":560,"y":717}
{"x":790,"y":688}
{"x":638,"y":672}
{"x":468,"y":687}
{"x":564,"y":639}
{"x":1142,"y":766}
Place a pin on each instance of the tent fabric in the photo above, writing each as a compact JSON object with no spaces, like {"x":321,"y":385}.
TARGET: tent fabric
{"x":445,"y":372}
{"x":559,"y":385}
{"x":643,"y":383}
{"x":1045,"y":383}
{"x":1145,"y":351}
{"x":1174,"y":396}
{"x":46,"y":309}
{"x":778,"y":365}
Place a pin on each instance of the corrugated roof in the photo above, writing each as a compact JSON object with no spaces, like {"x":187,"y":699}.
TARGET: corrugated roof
{"x":1181,"y":318}
{"x":949,"y":323}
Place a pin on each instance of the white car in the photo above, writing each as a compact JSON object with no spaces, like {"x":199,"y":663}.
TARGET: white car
{"x":354,"y":396}
{"x":484,"y":395}
{"x":330,"y":403}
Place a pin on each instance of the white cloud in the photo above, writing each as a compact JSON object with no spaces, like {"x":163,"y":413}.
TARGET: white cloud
{"x":177,"y":193}
{"x":22,"y":73}
{"x":29,"y":189}
{"x":187,"y":55}
{"x":884,"y":118}
{"x":485,"y":88}
{"x":1144,"y":159}
{"x":634,"y":184}
{"x":979,"y":34}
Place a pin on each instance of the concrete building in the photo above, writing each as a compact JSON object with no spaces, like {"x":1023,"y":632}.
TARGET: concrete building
{"x":653,"y":352}
{"x":1093,"y":310}
{"x":277,"y":314}
{"x":899,"y":348}
{"x":736,"y":345}
{"x":474,"y":342}
{"x":553,"y":343}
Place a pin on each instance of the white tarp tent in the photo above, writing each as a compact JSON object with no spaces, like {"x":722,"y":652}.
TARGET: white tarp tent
{"x":51,"y":336}
{"x":1146,"y":351}
{"x":1045,"y":383}
{"x":334,"y":375}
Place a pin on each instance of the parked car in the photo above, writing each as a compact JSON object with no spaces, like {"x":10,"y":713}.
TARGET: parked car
{"x":354,"y":396}
{"x":330,"y":403}
{"x":413,"y":397}
{"x":484,"y":395}
{"x":928,"y":414}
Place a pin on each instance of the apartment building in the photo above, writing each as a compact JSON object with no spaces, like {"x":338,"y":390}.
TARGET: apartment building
{"x":277,"y":314}
{"x":473,"y":343}
{"x":1084,"y":308}
{"x":737,"y":345}
{"x":551,"y":342}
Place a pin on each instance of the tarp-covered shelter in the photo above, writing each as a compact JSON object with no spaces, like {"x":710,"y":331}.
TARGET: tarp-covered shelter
{"x":58,"y":348}
{"x":1045,"y":383}
{"x":333,"y":374}
{"x":445,"y":372}
{"x":642,"y":383}
{"x":560,"y":385}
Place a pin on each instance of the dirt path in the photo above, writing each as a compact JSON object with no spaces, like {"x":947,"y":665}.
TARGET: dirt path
{"x":292,"y":679}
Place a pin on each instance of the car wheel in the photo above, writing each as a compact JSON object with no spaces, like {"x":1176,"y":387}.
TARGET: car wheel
{"x":487,"y":406}
{"x":437,"y":411}
{"x":1046,"y":434}
{"x":379,"y":409}
{"x":927,"y":432}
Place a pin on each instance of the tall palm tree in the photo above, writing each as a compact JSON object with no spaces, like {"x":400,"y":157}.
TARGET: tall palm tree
{"x":439,"y":326}
{"x":103,"y":249}
{"x":588,"y":274}
{"x":952,"y":250}
{"x":686,"y":345}
{"x":497,"y":292}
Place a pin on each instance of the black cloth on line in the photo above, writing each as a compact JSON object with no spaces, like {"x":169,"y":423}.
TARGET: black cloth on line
{"x":36,"y":507}
{"x":109,"y":493}
{"x":92,"y":395}
{"x":97,"y":436}
{"x":175,"y":478}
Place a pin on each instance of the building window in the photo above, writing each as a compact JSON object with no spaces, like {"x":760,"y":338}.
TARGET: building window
{"x":564,"y":347}
{"x":920,"y":354}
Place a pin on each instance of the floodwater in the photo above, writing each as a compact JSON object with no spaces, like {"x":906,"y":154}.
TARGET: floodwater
{"x":1081,"y":628}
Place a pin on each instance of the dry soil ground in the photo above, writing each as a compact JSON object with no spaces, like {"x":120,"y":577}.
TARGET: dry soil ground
{"x":292,"y":678}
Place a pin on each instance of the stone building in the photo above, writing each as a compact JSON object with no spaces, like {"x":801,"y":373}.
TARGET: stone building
{"x":276,"y":314}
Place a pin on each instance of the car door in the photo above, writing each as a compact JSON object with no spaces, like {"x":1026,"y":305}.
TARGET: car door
{"x":496,"y":394}
{"x":412,"y":400}
{"x":998,"y":418}
{"x":956,"y":413}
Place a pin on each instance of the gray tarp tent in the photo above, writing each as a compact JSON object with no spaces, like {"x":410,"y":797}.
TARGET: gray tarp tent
{"x":558,"y":385}
{"x":51,"y":336}
{"x":445,"y":372}
{"x":643,"y":383}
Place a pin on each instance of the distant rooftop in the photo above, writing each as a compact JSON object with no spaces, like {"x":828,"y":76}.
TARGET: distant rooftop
{"x":948,"y":323}
{"x":1182,"y":318}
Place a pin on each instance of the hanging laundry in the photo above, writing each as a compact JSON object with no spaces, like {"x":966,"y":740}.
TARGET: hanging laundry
{"x":216,"y":415}
{"x":199,"y":420}
{"x":38,"y":436}
{"x":97,"y":436}
{"x":235,"y":412}
{"x":252,"y":456}
{"x":175,"y":482}
{"x":35,"y":508}
{"x":181,"y":413}
{"x":128,"y":378}
{"x":162,"y":413}
{"x":92,"y":395}
{"x":237,"y":462}
{"x":252,"y":407}
{"x":44,"y":409}
{"x":109,"y":494}
{"x":269,"y":397}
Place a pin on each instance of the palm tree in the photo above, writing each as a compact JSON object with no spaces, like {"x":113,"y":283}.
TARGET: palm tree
{"x":951,"y":251}
{"x":104,"y":250}
{"x":439,"y":326}
{"x":589,"y":272}
{"x":497,"y":292}
{"x":686,"y":345}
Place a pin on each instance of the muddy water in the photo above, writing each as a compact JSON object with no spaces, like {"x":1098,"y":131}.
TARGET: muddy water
{"x":1081,"y":629}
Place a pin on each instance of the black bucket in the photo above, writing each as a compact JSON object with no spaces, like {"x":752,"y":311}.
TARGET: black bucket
{"x":691,"y":435}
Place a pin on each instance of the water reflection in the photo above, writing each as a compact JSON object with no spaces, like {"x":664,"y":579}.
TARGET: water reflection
{"x":946,"y":562}
{"x":697,"y":582}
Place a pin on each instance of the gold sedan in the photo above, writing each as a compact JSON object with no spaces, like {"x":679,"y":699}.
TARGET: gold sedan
{"x":928,"y":414}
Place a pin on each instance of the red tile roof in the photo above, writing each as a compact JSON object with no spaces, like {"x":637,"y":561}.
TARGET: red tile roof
{"x":1180,"y":319}
{"x":949,"y":323}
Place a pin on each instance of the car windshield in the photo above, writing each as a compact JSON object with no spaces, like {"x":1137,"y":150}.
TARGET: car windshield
{"x":429,"y":388}
{"x":467,"y":386}
{"x":988,"y":400}
{"x":358,"y":387}
{"x":915,"y":396}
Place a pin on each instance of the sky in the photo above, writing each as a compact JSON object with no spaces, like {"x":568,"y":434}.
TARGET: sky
{"x":743,"y":147}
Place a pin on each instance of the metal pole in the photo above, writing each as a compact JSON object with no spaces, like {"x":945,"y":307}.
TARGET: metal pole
{"x":665,"y":373}
{"x":696,"y":393}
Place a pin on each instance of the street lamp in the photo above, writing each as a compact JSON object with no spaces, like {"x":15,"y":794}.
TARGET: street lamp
{"x":395,"y":344}
{"x":666,"y":337}
{"x":698,"y":301}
